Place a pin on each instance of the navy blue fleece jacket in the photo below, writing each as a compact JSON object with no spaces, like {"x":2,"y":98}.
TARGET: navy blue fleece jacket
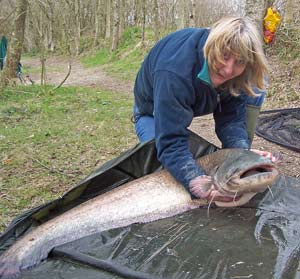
{"x":173,"y":84}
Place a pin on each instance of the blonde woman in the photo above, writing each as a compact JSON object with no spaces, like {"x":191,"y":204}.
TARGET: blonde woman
{"x":193,"y":72}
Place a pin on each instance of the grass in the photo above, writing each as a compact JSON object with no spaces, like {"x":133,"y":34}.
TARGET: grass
{"x":50,"y":141}
{"x":126,"y":60}
{"x":127,"y":67}
{"x":100,"y":57}
{"x":287,"y":43}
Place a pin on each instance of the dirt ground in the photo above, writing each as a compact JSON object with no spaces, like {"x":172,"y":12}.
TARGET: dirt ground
{"x":57,"y":69}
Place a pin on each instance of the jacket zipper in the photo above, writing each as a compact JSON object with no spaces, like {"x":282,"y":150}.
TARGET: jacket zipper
{"x":217,"y":93}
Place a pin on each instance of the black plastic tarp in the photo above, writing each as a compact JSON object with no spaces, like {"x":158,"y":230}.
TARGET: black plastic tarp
{"x":260,"y":240}
{"x":281,"y":126}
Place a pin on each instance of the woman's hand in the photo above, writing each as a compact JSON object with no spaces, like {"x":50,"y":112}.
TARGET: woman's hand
{"x":274,"y":158}
{"x":201,"y":186}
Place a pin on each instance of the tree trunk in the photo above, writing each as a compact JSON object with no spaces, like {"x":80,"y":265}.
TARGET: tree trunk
{"x":77,"y":26}
{"x":122,"y":18}
{"x":115,"y":35}
{"x":183,"y":14}
{"x":16,"y":42}
{"x":108,"y":19}
{"x":256,"y":10}
{"x":135,"y":12}
{"x":50,"y":42}
{"x":156,"y":21}
{"x":143,"y":21}
{"x":42,"y":49}
{"x":192,"y":16}
{"x":97,"y":17}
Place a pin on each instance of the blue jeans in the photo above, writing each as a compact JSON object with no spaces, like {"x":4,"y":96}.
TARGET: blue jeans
{"x":256,"y":101}
{"x":144,"y":125}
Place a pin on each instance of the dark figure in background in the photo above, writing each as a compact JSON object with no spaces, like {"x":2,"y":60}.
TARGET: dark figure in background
{"x":3,"y":49}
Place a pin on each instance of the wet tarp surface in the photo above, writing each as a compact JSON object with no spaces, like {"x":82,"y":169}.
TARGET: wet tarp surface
{"x":281,"y":126}
{"x":260,"y":240}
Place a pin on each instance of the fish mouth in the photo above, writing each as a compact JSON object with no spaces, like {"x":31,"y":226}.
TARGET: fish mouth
{"x":255,"y":179}
{"x":242,"y":185}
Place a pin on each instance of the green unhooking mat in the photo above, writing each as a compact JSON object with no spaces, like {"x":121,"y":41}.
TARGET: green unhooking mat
{"x":260,"y":240}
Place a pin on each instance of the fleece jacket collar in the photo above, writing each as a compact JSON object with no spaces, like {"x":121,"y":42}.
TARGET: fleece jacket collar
{"x":204,"y":74}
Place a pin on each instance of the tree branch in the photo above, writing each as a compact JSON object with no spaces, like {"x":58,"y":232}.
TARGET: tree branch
{"x":3,"y":20}
{"x":68,"y":74}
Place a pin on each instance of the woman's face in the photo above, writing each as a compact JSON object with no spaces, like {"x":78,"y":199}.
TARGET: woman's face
{"x":231,"y":68}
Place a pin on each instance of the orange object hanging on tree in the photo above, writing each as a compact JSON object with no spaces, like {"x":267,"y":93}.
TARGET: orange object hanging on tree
{"x":271,"y":22}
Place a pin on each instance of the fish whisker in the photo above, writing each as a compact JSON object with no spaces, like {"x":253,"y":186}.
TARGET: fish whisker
{"x":209,"y":204}
{"x":235,"y":195}
{"x":271,"y":191}
{"x":284,"y":178}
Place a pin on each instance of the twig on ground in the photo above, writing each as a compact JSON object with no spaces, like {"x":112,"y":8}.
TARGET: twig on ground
{"x":69,"y":71}
{"x":50,"y":169}
{"x":68,"y":74}
{"x":5,"y":196}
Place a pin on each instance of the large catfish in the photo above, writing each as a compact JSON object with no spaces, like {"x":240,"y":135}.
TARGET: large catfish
{"x":237,"y":175}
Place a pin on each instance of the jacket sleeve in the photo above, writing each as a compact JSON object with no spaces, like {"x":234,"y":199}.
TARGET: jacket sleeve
{"x":230,"y":122}
{"x":173,"y":99}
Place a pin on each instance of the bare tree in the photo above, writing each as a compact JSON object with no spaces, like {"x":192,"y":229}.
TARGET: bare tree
{"x":143,"y":3}
{"x":256,"y":10}
{"x":108,"y":19}
{"x":156,"y":20}
{"x":50,"y":29}
{"x":16,"y":42}
{"x":183,"y":14}
{"x":135,"y":9}
{"x":122,"y":15}
{"x":66,"y":22}
{"x":7,"y":12}
{"x":97,"y":21}
{"x":192,"y":16}
{"x":116,"y":25}
{"x":77,"y":25}
{"x":42,"y":47}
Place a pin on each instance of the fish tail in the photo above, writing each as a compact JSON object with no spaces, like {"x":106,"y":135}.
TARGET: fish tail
{"x":9,"y":269}
{"x":13,"y":261}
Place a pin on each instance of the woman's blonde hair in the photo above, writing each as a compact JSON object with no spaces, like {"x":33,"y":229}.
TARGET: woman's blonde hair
{"x":237,"y":36}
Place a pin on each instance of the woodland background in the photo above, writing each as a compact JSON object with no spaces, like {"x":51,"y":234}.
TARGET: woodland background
{"x":73,"y":27}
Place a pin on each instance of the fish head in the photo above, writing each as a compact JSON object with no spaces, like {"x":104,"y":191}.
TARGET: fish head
{"x":242,"y":175}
